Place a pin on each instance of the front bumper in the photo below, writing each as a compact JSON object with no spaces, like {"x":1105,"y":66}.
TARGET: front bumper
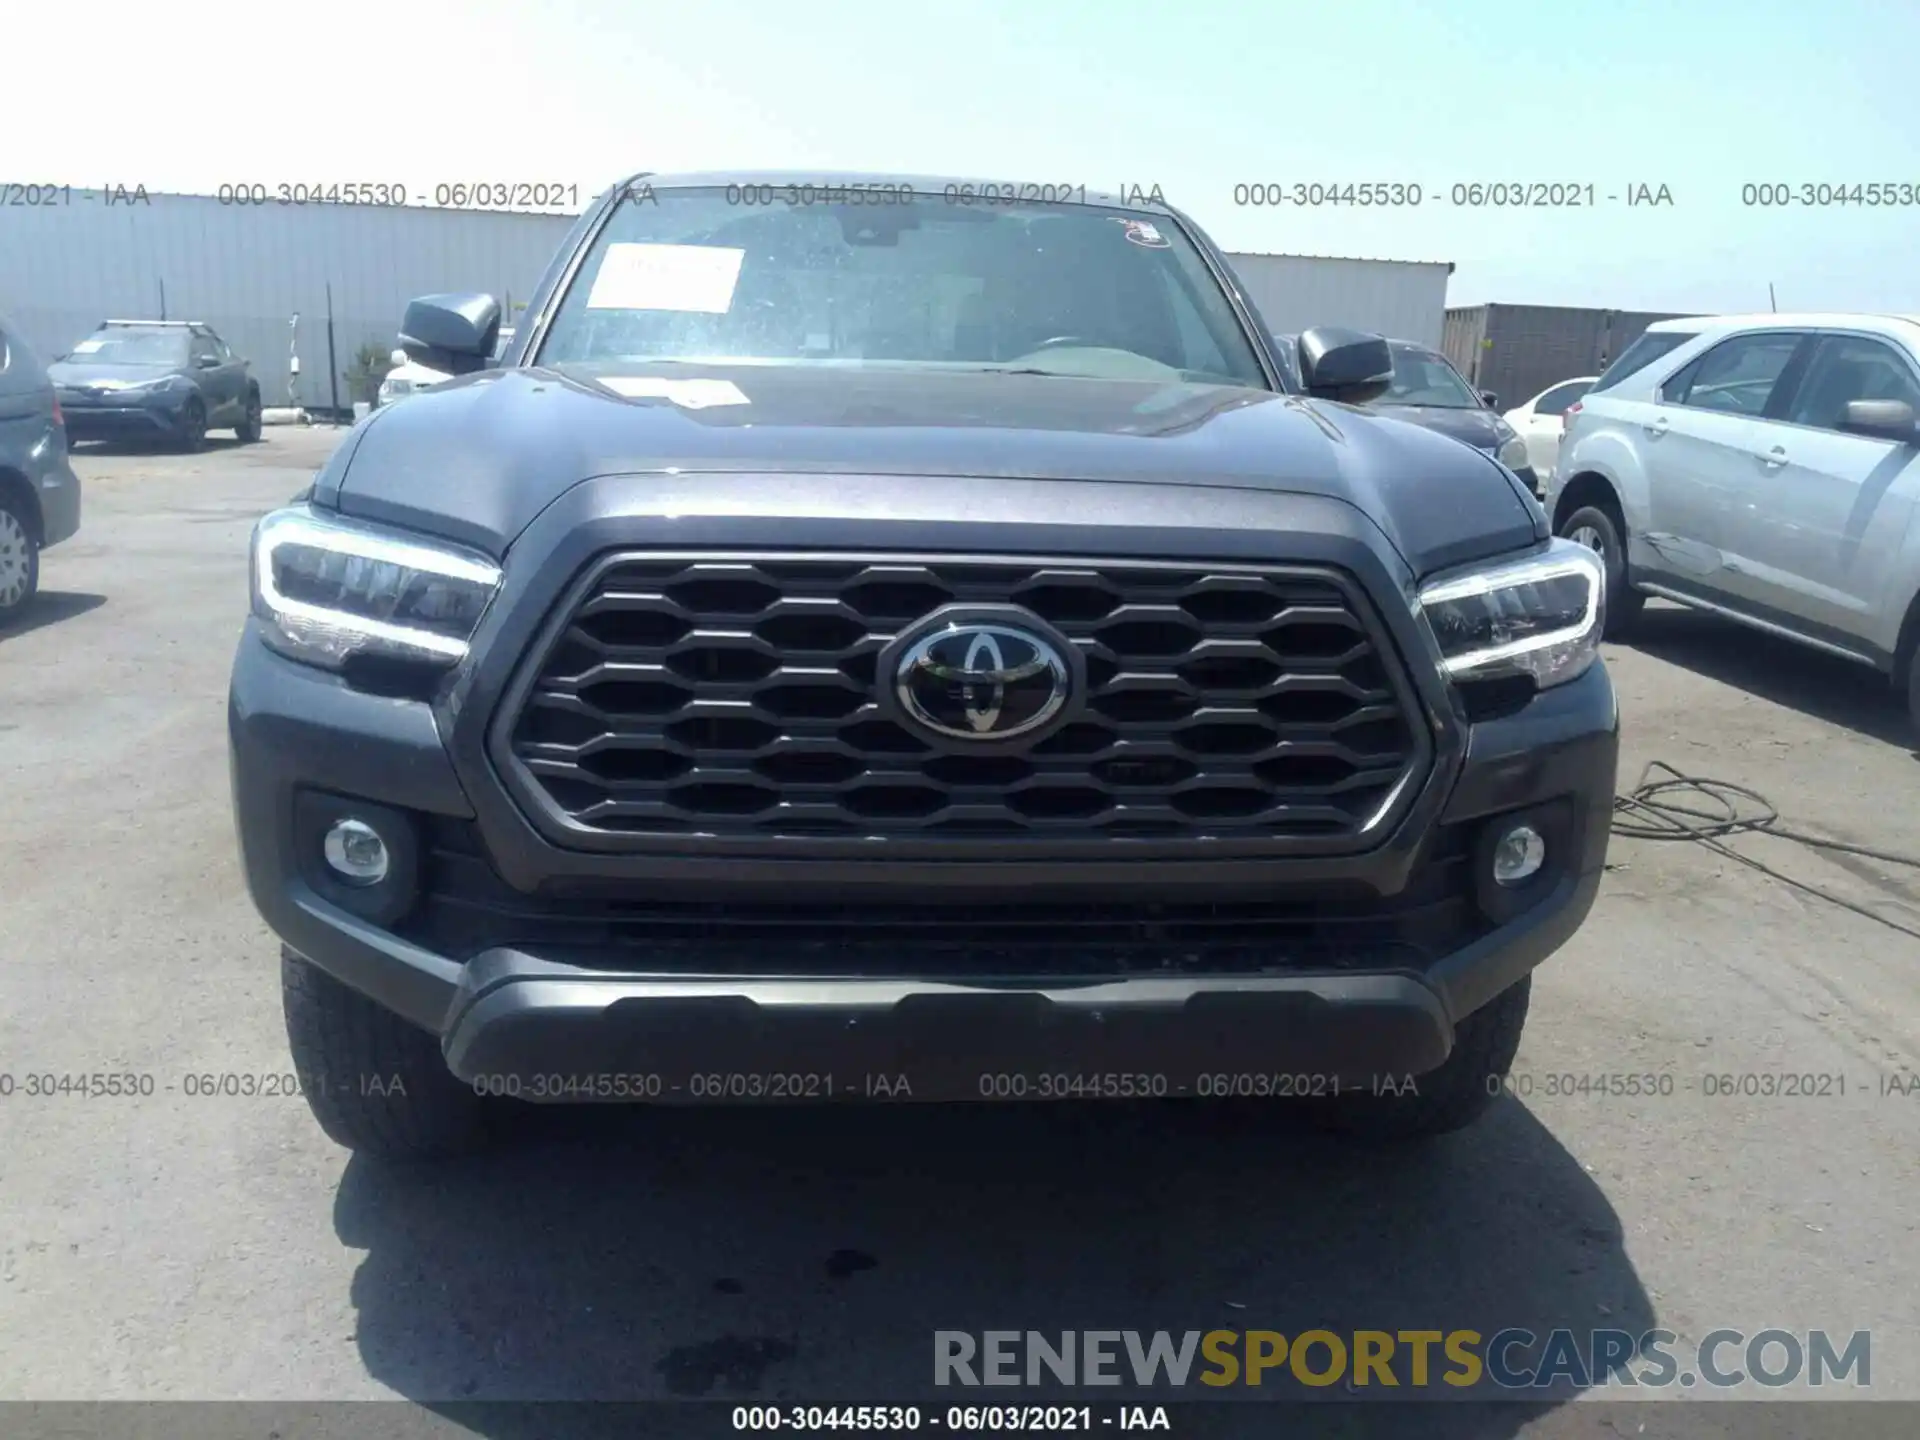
{"x":556,"y":1021}
{"x":161,"y":416}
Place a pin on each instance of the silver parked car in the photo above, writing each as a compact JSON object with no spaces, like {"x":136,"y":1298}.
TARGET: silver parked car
{"x":1764,"y":467}
{"x":39,"y":493}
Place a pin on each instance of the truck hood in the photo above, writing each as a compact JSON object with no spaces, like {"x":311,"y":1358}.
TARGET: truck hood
{"x":477,"y":459}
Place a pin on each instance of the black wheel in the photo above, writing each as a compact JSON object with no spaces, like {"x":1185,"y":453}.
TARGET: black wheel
{"x":248,"y":430}
{"x":1913,"y":663}
{"x":375,"y":1083}
{"x":1601,"y":530}
{"x":193,"y":426}
{"x":19,"y":561}
{"x":1447,"y":1099}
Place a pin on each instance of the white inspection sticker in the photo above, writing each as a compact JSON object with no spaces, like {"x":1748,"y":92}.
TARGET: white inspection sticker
{"x":666,"y":277}
{"x":693,"y":394}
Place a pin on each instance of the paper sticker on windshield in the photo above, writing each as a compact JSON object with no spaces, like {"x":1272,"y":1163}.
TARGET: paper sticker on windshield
{"x":1142,"y":232}
{"x":87,"y":347}
{"x":692,"y":394}
{"x":666,"y":277}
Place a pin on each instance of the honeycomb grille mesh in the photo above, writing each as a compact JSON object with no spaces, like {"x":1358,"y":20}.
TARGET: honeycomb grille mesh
{"x":737,"y":697}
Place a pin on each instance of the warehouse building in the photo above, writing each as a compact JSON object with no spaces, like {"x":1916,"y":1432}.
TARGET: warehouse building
{"x":299,"y":289}
{"x":265,"y":276}
{"x":1404,"y":299}
{"x":1516,"y":351}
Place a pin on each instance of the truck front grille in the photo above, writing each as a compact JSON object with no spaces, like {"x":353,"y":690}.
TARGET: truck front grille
{"x":737,"y":697}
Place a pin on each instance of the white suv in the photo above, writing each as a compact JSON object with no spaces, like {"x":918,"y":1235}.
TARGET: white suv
{"x":1765,"y":467}
{"x":409,"y":377}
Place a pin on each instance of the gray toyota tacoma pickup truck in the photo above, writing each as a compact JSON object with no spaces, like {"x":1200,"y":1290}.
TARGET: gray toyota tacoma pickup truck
{"x":884,"y":639}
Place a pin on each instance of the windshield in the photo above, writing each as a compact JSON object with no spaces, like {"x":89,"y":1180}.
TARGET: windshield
{"x":1423,"y":378}
{"x":132,"y":347}
{"x":699,"y":275}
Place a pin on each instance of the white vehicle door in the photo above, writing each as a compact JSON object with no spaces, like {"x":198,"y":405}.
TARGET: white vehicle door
{"x":1825,"y":511}
{"x":1539,"y":423}
{"x":1696,"y":448}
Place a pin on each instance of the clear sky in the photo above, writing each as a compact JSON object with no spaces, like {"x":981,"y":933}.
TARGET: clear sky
{"x":1701,"y":96}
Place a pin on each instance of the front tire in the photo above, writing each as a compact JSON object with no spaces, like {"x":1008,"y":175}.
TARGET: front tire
{"x":1913,"y":691}
{"x":193,"y":427}
{"x":19,"y":561}
{"x":248,"y":430}
{"x":1450,"y":1098}
{"x":1601,"y":530}
{"x":376,"y":1084}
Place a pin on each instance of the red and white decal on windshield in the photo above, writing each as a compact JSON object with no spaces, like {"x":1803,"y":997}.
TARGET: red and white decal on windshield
{"x":1143,"y":232}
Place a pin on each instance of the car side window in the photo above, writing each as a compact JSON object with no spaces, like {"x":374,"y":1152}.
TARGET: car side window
{"x":1556,"y":400}
{"x":202,"y":347}
{"x":1850,"y":367}
{"x":1735,"y":377}
{"x":1676,"y":384}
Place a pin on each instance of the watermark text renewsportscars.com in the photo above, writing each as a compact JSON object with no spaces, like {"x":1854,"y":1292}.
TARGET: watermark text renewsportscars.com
{"x":1380,"y":1360}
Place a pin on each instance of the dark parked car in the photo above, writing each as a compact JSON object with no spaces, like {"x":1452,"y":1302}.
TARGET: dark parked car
{"x":903,"y":640}
{"x":1428,"y":391}
{"x":39,"y":493}
{"x":168,"y":380}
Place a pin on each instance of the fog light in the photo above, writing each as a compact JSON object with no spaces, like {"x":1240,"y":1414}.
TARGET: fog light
{"x":1518,"y":855}
{"x":356,"y":853}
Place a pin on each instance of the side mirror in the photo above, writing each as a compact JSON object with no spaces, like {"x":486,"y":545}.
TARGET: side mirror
{"x":1350,"y":366}
{"x":1489,"y":399}
{"x":1882,"y":420}
{"x":206,"y":362}
{"x":453,"y":333}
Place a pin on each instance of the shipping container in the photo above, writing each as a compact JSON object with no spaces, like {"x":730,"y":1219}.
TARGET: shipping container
{"x":261,"y":274}
{"x":1404,"y":299}
{"x":1516,"y":351}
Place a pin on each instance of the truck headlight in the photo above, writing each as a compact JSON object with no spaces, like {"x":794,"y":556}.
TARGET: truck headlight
{"x":327,"y":589}
{"x":1513,"y":452}
{"x":1541,"y":616}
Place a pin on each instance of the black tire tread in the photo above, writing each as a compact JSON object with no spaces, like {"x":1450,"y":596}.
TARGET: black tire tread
{"x":247,"y":432}
{"x":1452,"y":1097}
{"x":193,"y":435}
{"x":341,"y":1040}
{"x":1624,"y":603}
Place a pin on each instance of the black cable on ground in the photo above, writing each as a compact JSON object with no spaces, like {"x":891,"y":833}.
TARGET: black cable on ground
{"x":1672,"y":809}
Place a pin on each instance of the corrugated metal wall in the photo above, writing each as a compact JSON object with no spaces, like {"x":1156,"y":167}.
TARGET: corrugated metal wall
{"x":1406,"y":299}
{"x":247,"y":270}
{"x":1461,"y":335}
{"x":1517,"y":351}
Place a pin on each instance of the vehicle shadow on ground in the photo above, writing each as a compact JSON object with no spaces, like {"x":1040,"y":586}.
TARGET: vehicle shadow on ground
{"x":50,"y":607}
{"x":1810,"y":681}
{"x":154,"y":447}
{"x":809,"y":1255}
